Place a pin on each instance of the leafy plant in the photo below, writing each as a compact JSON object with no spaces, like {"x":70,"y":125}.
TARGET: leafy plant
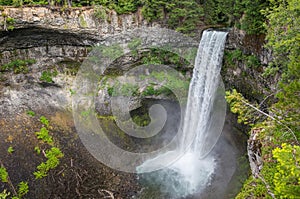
{"x":18,"y":66}
{"x":3,"y":174}
{"x":44,"y":121}
{"x":287,"y":177}
{"x":126,"y":89}
{"x":53,"y":155}
{"x":31,"y":113}
{"x":37,"y":150}
{"x":110,"y":91}
{"x":10,"y":23}
{"x":252,"y":61}
{"x":240,"y":106}
{"x":72,"y":92}
{"x":47,"y":76}
{"x":100,"y":12}
{"x":4,"y":194}
{"x":141,"y":120}
{"x":43,"y":134}
{"x":133,"y":44}
{"x":112,"y":52}
{"x":10,"y":149}
{"x":23,"y":189}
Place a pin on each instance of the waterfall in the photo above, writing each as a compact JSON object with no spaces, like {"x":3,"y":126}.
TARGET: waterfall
{"x":192,"y":171}
{"x":202,"y":92}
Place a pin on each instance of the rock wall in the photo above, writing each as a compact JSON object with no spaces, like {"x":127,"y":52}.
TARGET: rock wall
{"x":75,"y":20}
{"x":63,"y":37}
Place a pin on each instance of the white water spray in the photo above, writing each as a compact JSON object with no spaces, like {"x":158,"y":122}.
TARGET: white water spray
{"x":192,"y":171}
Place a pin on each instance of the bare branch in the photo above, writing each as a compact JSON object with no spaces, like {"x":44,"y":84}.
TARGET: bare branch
{"x":273,"y":118}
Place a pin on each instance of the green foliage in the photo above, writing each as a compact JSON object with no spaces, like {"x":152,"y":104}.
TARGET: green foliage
{"x":3,"y":174}
{"x":43,"y":134}
{"x":22,"y":189}
{"x":253,"y":20}
{"x":31,"y":113}
{"x":17,"y":3}
{"x":112,"y":52}
{"x":243,"y":14}
{"x":72,"y":92}
{"x":152,"y":60}
{"x":183,"y":16}
{"x":37,"y":150}
{"x":141,"y":120}
{"x":232,"y":57}
{"x":44,"y":121}
{"x":150,"y":90}
{"x":4,"y":194}
{"x":47,"y":76}
{"x":270,"y":71}
{"x":287,"y":177}
{"x":53,"y":155}
{"x":110,"y":91}
{"x":10,"y":23}
{"x":238,"y":105}
{"x":17,"y":66}
{"x":252,"y":61}
{"x":226,"y":12}
{"x":125,"y":6}
{"x":283,"y":39}
{"x":158,"y":56}
{"x":169,"y":82}
{"x":283,"y":30}
{"x":100,"y":12}
{"x":125,"y":89}
{"x":253,"y":188}
{"x":10,"y":149}
{"x":82,"y":22}
{"x":134,"y":43}
{"x":5,"y":2}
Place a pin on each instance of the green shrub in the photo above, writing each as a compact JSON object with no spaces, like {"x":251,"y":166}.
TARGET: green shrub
{"x":3,"y":174}
{"x":47,"y":76}
{"x":44,"y":121}
{"x":100,"y":12}
{"x":10,"y":149}
{"x":4,"y":194}
{"x":53,"y":155}
{"x":287,"y":178}
{"x":252,"y":61}
{"x":43,"y":134}
{"x":141,"y":120}
{"x":31,"y":113}
{"x":22,"y":189}
{"x":17,"y":66}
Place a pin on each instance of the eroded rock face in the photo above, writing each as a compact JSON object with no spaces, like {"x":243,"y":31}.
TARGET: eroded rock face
{"x":249,"y":80}
{"x":77,"y":20}
{"x":56,"y":39}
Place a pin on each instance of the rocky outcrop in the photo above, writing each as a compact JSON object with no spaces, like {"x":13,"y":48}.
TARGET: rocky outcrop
{"x":249,"y":44}
{"x":248,"y":80}
{"x":99,"y":21}
{"x":60,"y":38}
{"x":254,"y":152}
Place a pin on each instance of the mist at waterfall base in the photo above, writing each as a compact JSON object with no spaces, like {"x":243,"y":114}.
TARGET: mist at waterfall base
{"x":201,"y":154}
